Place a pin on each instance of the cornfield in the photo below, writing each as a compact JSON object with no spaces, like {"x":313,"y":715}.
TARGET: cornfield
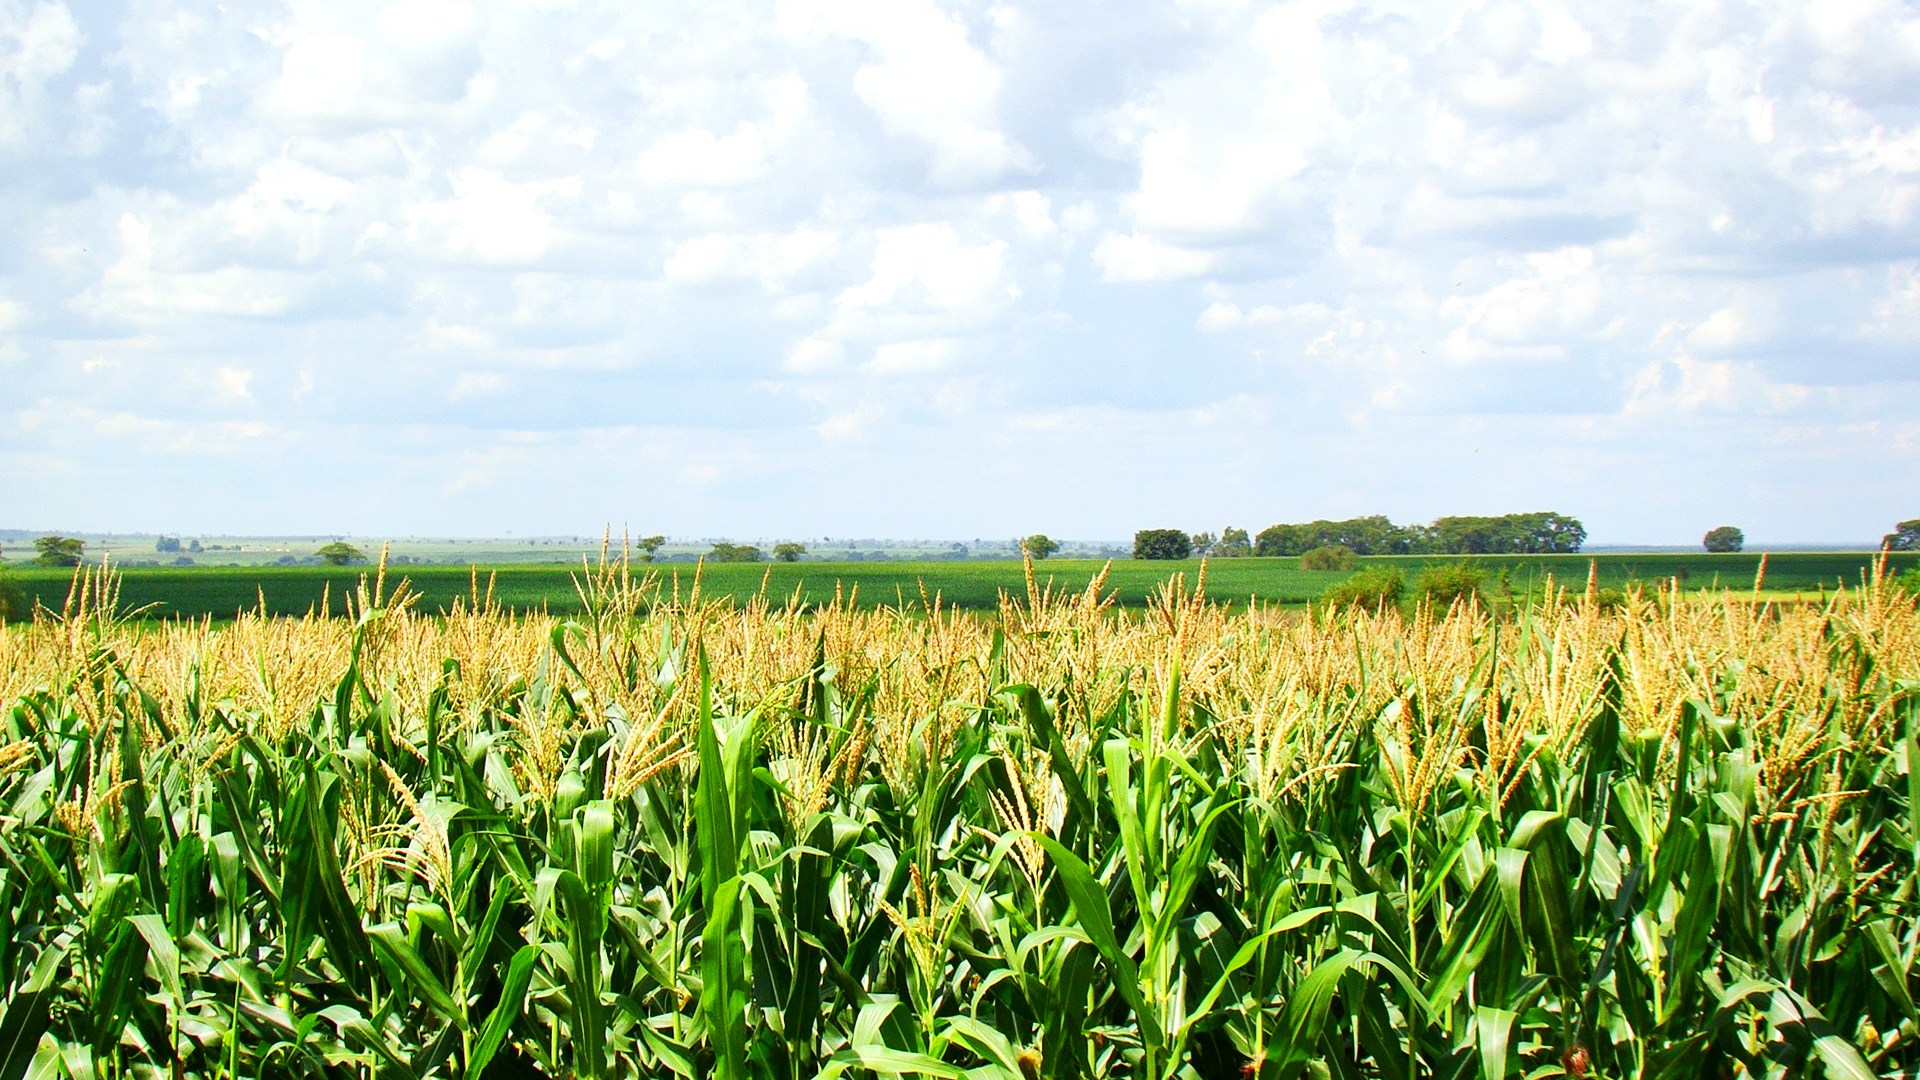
{"x":1674,"y":837}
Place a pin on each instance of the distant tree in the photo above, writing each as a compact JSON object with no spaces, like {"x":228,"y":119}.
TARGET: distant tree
{"x":650,"y":546}
{"x":726,"y":552}
{"x":788,"y":551}
{"x":1724,"y":539}
{"x":194,"y":546}
{"x":1162,"y":544}
{"x":60,"y":550}
{"x":338,"y":553}
{"x":1904,"y":537}
{"x":1330,"y":557}
{"x":1233,"y":544}
{"x":1202,"y":544}
{"x":1040,"y":545}
{"x":167,"y":545}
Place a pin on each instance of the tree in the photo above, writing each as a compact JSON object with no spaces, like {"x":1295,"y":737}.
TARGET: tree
{"x":1162,"y":544}
{"x":788,"y":551}
{"x":1233,"y":544}
{"x":340,"y":553}
{"x":1904,"y":537}
{"x":60,"y":550}
{"x":1724,"y":539}
{"x":167,"y":545}
{"x":1040,"y":545}
{"x":1202,"y":543}
{"x":727,"y":552}
{"x":650,"y":546}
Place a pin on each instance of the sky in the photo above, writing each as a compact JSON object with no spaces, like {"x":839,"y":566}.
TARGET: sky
{"x":919,"y":269}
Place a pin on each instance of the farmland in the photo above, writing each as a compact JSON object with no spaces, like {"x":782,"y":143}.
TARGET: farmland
{"x":222,"y":591}
{"x":1671,"y":837}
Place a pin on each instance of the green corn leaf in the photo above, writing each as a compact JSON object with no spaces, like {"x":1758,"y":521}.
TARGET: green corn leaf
{"x":391,"y":941}
{"x":1305,"y":1019}
{"x":1096,"y":918}
{"x":163,"y":953}
{"x":513,"y":996}
{"x":723,"y":994}
{"x":888,"y":1062}
{"x":1493,"y":1032}
{"x":24,"y":1015}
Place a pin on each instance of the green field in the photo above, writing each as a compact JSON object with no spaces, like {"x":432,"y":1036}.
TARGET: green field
{"x":221,"y":591}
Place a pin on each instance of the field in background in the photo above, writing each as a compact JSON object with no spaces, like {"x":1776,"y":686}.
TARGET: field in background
{"x":976,"y":585}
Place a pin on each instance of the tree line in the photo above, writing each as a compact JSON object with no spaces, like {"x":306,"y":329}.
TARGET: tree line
{"x":1538,"y":533}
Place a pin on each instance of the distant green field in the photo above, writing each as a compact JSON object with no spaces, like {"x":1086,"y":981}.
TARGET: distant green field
{"x":223,"y":591}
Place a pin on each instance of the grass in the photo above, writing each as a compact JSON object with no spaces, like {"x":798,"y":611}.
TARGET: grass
{"x":696,"y":838}
{"x":221,"y":592}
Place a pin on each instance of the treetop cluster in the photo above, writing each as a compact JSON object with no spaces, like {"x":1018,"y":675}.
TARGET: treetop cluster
{"x":1537,"y":533}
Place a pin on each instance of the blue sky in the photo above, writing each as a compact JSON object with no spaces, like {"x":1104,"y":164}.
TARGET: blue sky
{"x":907,"y":268}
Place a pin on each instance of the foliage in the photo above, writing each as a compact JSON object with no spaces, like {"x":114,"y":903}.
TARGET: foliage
{"x":14,"y":605}
{"x":1039,"y":545}
{"x":1904,"y":537}
{"x":1233,"y":544}
{"x":60,"y":550}
{"x":1202,"y":544}
{"x":1723,"y":539}
{"x":1329,"y":557}
{"x":1375,"y":588}
{"x":724,"y":552}
{"x":650,"y":546}
{"x":1449,"y":583}
{"x":673,"y":837}
{"x":1162,"y":544}
{"x":789,"y":551}
{"x":167,"y":545}
{"x":340,"y":553}
{"x":1543,"y":532}
{"x":1373,"y":535}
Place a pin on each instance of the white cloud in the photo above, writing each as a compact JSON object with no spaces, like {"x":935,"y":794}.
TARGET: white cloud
{"x":926,"y":81}
{"x":1134,"y":258}
{"x":733,"y":253}
{"x":919,"y":356}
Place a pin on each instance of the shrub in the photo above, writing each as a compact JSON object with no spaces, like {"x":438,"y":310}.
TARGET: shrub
{"x":1442,"y":585}
{"x":1330,"y":557}
{"x":1375,"y":588}
{"x":14,"y":605}
{"x":1908,"y":582}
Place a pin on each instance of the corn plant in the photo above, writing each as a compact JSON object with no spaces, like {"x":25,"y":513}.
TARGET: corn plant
{"x":1676,"y":835}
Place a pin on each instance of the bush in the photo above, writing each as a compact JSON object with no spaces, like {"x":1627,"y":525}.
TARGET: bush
{"x":14,"y":606}
{"x":1908,"y":582}
{"x":1442,"y":585}
{"x":1373,"y":588}
{"x":1330,"y":557}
